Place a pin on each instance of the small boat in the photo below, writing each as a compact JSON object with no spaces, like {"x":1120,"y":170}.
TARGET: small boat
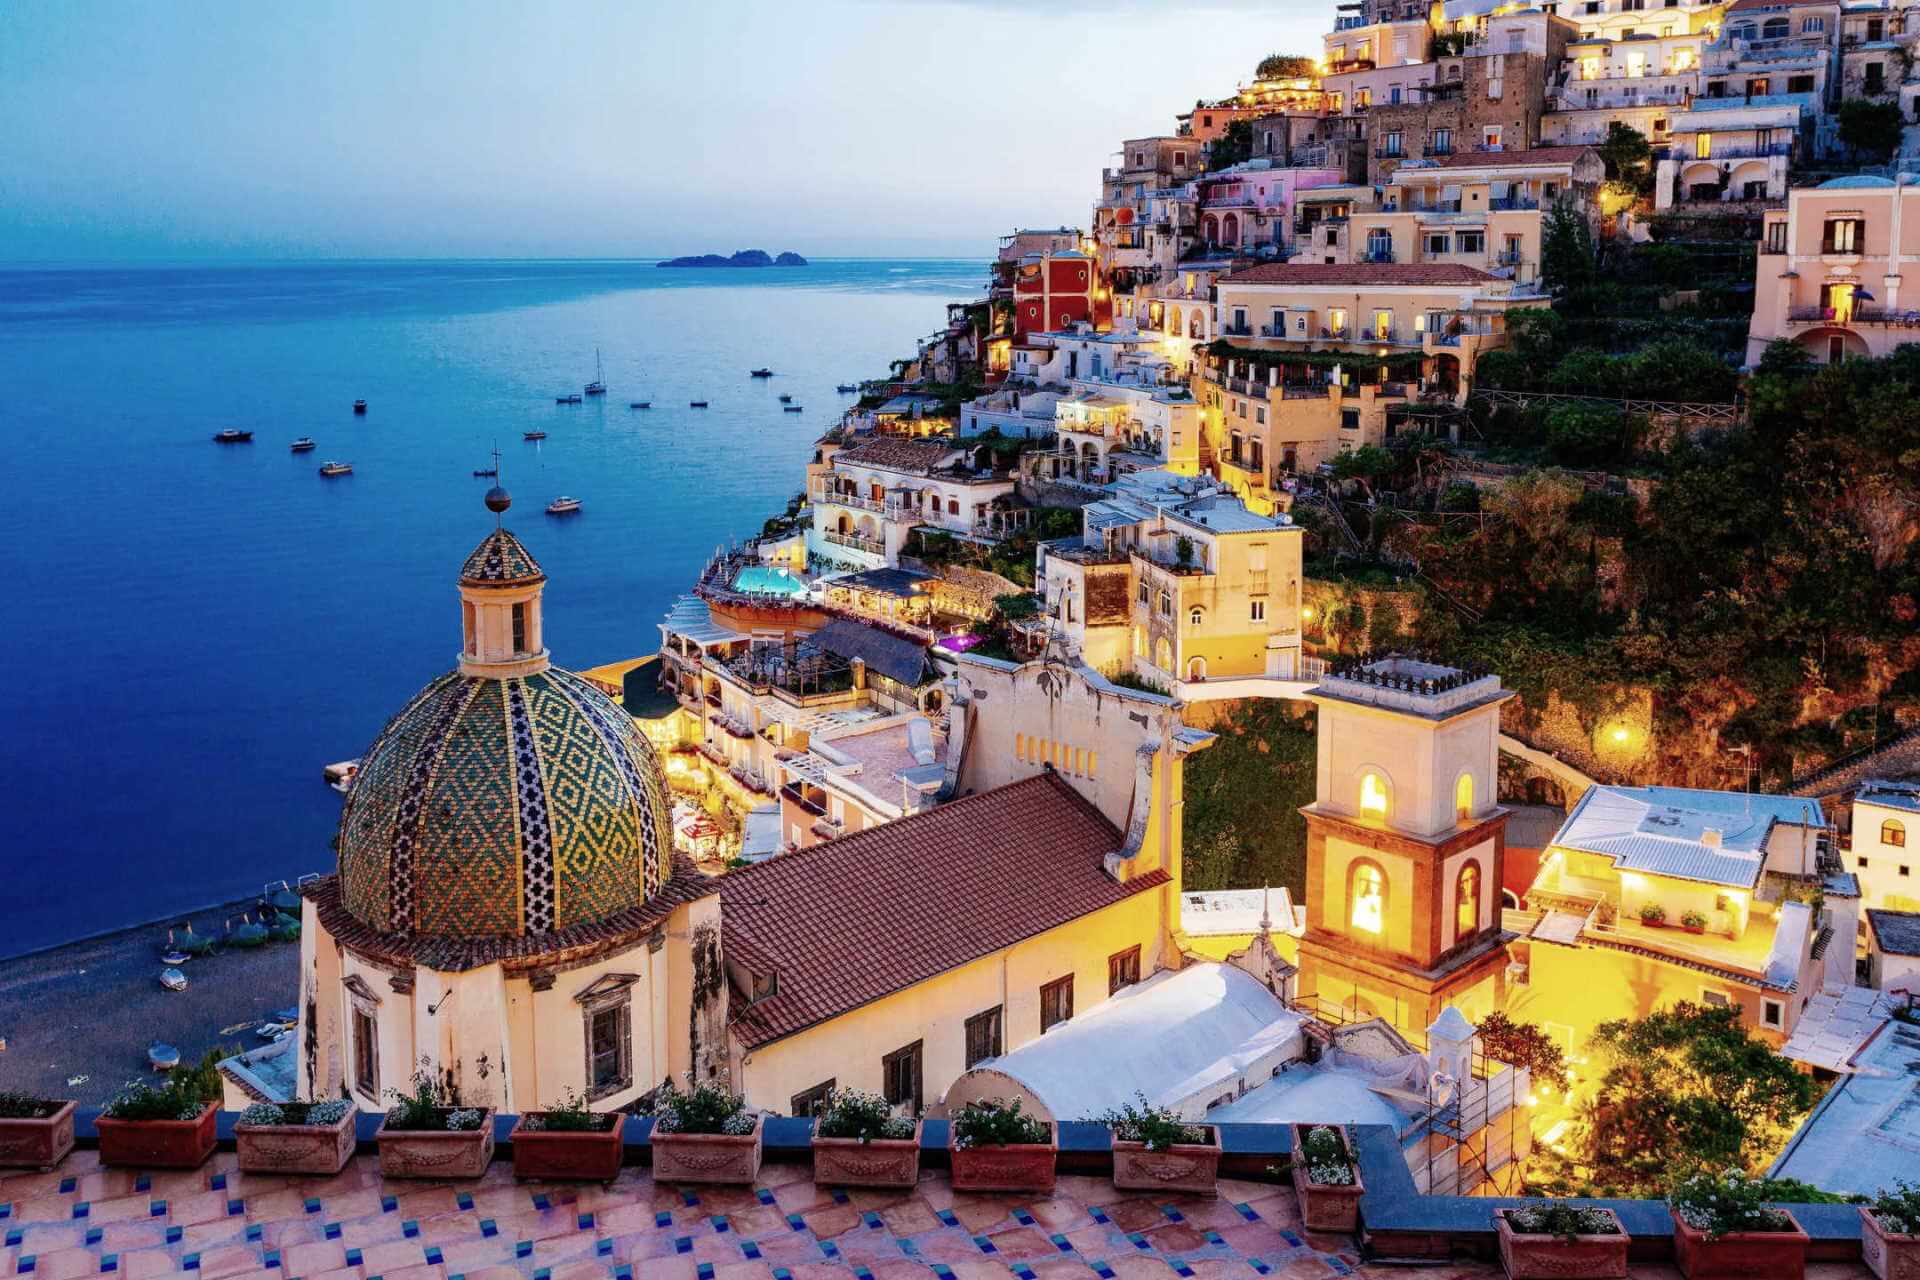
{"x":304,"y":445}
{"x":566,"y":399}
{"x":534,"y":435}
{"x":173,"y":980}
{"x":233,"y":435}
{"x":598,"y":387}
{"x":563,"y":506}
{"x":696,"y":404}
{"x":761,"y":373}
{"x":194,"y":944}
{"x":336,"y":468}
{"x":786,"y":399}
{"x":640,"y":404}
{"x":340,"y":776}
{"x":847,"y":388}
{"x":489,"y":471}
{"x":359,"y":406}
{"x":173,"y":956}
{"x":249,"y":933}
{"x":794,"y":408}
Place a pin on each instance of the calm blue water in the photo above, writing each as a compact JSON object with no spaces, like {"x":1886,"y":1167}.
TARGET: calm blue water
{"x":196,"y":629}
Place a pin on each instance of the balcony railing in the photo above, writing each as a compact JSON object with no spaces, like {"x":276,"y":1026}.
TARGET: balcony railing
{"x":855,"y":542}
{"x":1731,"y":153}
{"x":1377,"y":256}
{"x":854,"y":500}
{"x":1238,"y":331}
{"x":1426,"y":206}
{"x":1513,"y":202}
{"x":1389,"y":153}
{"x":1830,"y":249}
{"x":793,"y":793}
{"x":1507,"y":258}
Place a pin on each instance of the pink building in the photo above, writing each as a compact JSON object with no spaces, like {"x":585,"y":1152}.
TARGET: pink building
{"x":1252,"y":203}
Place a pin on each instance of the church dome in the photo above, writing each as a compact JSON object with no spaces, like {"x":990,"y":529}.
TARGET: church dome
{"x":508,"y":798}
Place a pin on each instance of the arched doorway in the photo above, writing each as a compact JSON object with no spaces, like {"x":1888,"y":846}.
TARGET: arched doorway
{"x":1163,"y":655}
{"x":1230,"y":229}
{"x":1210,"y":229}
{"x":1196,"y":668}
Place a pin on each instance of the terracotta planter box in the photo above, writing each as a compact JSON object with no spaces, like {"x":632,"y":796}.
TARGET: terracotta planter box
{"x":157,"y":1144}
{"x":1694,"y":928}
{"x":38,"y":1143}
{"x":1329,"y":1207}
{"x":296,"y":1148}
{"x":1740,"y":1255}
{"x":1189,"y":1167}
{"x":1888,"y":1256}
{"x":724,"y":1158}
{"x":1543,"y":1257}
{"x":883,"y":1162}
{"x":568,"y":1154}
{"x":1025,"y":1166}
{"x":436,"y":1153}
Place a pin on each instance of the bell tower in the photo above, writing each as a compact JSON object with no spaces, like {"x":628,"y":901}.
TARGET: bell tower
{"x":1405,"y":843}
{"x":500,"y":586}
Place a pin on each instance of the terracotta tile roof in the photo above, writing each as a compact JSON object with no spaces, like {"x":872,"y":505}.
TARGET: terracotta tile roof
{"x":849,"y":921}
{"x":898,"y":454}
{"x":561,"y":947}
{"x":1492,"y":159}
{"x":1351,"y":274}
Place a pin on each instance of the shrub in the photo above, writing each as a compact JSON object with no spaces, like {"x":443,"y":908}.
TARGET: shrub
{"x":428,"y":1106}
{"x":705,"y":1108}
{"x":1898,"y":1211}
{"x":865,"y":1116}
{"x":1158,"y":1128}
{"x":1324,"y":1151}
{"x":569,"y":1115}
{"x":16,"y":1105}
{"x":994,"y":1123}
{"x":1558,"y":1218}
{"x":1693,"y":920}
{"x":1587,"y":434}
{"x":188,"y":1091}
{"x":1521,"y":1044}
{"x":1720,"y":1203}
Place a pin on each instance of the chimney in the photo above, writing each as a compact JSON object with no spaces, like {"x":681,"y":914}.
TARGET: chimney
{"x":1710,"y":837}
{"x":859,"y":673}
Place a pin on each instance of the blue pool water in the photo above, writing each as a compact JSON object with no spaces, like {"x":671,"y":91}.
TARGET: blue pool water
{"x":196,"y":629}
{"x":769,"y":581}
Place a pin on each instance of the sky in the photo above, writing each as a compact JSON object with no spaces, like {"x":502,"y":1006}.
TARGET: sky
{"x":478,"y":128}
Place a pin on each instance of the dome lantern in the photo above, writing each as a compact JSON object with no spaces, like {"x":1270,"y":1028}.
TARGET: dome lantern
{"x":500,"y":587}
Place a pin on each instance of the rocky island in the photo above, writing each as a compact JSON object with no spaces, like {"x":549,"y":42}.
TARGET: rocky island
{"x":744,"y":258}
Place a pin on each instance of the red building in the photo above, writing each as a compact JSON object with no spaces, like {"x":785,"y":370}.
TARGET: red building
{"x":1053,"y":291}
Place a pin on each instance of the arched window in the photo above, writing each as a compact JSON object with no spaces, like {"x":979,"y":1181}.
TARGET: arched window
{"x":1373,"y":794}
{"x":1463,"y":797}
{"x":1893,"y":834}
{"x":1466,"y":901}
{"x":1367,"y":896}
{"x":1774,"y":29}
{"x":1195,"y":616}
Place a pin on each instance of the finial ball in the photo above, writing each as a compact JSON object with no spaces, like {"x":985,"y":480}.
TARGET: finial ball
{"x":498,"y":499}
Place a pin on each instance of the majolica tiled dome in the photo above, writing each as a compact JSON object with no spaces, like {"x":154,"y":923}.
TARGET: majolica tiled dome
{"x":492,"y":808}
{"x":501,"y":560}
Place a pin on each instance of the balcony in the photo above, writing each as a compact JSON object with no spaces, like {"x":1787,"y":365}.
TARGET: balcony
{"x":1377,"y":256}
{"x":1513,"y":202}
{"x":1508,"y":258}
{"x":1237,"y":331}
{"x":793,"y":793}
{"x":1684,"y":153}
{"x":1389,"y":153}
{"x":853,"y":500}
{"x":1426,"y":206}
{"x":1346,"y":65}
{"x":855,"y":542}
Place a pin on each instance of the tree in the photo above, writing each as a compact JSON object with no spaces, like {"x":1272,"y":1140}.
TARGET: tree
{"x":1582,"y":434}
{"x":1870,"y":129}
{"x":1231,"y":147}
{"x":1366,"y":464}
{"x":1566,"y":251}
{"x":1285,"y":66}
{"x":1628,"y":156}
{"x":1183,"y":550}
{"x":1682,"y":1089}
{"x":1242,"y":823}
{"x":1521,"y":1044}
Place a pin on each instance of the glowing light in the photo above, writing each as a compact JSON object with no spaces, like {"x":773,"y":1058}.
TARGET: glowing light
{"x":1373,"y":795}
{"x":1307,"y":612}
{"x":1620,"y":733}
{"x":1369,"y":899}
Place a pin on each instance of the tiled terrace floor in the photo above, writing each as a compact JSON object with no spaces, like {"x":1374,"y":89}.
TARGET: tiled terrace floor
{"x":215,"y":1223}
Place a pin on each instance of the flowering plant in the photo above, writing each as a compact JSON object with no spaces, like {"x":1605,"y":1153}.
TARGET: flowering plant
{"x":866,"y":1116}
{"x":1719,"y":1203}
{"x":705,"y":1108}
{"x":1324,"y":1151}
{"x":991,"y":1122}
{"x":318,"y":1114}
{"x":1898,"y":1211}
{"x":1157,"y":1128}
{"x":1558,"y":1218}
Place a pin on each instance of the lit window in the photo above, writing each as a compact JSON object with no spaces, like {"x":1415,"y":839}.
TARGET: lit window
{"x":1367,"y":892}
{"x":1466,"y":904}
{"x":1373,"y":794}
{"x":1893,"y":834}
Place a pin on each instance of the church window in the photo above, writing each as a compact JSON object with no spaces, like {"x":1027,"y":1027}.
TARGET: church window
{"x":1367,"y":896}
{"x":983,"y":1037}
{"x":366,"y":1054}
{"x":609,"y":1048}
{"x":1373,"y":794}
{"x":814,"y":1100}
{"x":520,"y":628}
{"x":900,"y":1077}
{"x":1123,"y":969}
{"x":1893,"y":834}
{"x":1466,"y":901}
{"x":1463,"y":797}
{"x":467,"y":627}
{"x":1056,"y":1002}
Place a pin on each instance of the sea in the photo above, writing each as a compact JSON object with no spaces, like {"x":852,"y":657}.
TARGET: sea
{"x":196,"y":629}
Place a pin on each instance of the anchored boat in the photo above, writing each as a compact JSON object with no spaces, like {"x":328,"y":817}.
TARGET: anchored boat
{"x":563,"y":506}
{"x":233,"y":435}
{"x":336,"y":468}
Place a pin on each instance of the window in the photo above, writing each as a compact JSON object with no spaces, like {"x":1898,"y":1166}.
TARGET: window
{"x":1863,"y":863}
{"x":1842,"y":235}
{"x":1257,"y":610}
{"x":1392,"y":147}
{"x":520,"y":628}
{"x":1143,"y":592}
{"x":1773,"y":1014}
{"x":1056,"y":1002}
{"x":1383,"y":324}
{"x":1442,"y":142}
{"x":1379,"y":245}
{"x":1367,"y":896}
{"x":1373,"y":794}
{"x":983,"y":1037}
{"x":1490,"y":137}
{"x":1349,"y":419}
{"x":1809,"y":26}
{"x":1906,"y":871}
{"x":366,"y":1053}
{"x":608,"y":1050}
{"x":1437,"y":244}
{"x":1123,"y":969}
{"x":813,"y":1101}
{"x":1472,"y":242}
{"x":1893,"y":834}
{"x":900,"y":1074}
{"x":1703,"y":146}
{"x":1466,"y":900}
{"x":1776,"y":237}
{"x":1166,"y":605}
{"x":1463,"y":797}
{"x":1195,"y":617}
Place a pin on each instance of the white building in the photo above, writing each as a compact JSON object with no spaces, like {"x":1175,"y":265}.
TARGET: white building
{"x":870,"y":497}
{"x":1886,"y":844}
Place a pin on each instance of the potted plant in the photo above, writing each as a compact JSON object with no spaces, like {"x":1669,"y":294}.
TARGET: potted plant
{"x":296,"y":1137}
{"x":569,"y":1141}
{"x":169,"y":1126}
{"x":1890,"y":1233}
{"x":1693,"y":922}
{"x":1325,"y":1179}
{"x":1653,"y":915}
{"x":428,"y":1134}
{"x":1553,"y":1239}
{"x":993,"y":1146}
{"x":1724,"y":1226}
{"x":705,"y":1135}
{"x":859,"y":1142}
{"x":1155,"y":1150}
{"x":34,"y":1132}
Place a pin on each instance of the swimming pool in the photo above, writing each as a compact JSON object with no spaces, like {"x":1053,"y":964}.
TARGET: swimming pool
{"x":765,"y":580}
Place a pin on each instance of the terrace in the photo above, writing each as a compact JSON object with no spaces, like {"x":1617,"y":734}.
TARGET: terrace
{"x":85,"y":1220}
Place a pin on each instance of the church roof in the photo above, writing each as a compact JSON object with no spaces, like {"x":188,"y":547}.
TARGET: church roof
{"x":856,"y":919}
{"x":501,"y":559}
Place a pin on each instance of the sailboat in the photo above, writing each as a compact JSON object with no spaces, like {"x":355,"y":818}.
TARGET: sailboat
{"x":598,"y":387}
